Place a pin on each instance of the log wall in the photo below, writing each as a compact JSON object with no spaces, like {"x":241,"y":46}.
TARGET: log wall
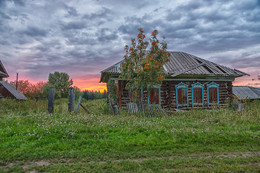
{"x":168,"y":94}
{"x":4,"y":92}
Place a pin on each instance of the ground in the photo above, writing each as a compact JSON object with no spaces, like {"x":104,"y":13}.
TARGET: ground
{"x":219,"y":140}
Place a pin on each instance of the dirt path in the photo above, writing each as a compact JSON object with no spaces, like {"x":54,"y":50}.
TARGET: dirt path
{"x":47,"y":162}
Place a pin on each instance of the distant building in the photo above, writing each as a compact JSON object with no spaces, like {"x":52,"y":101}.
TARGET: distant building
{"x":191,"y":82}
{"x":246,"y":93}
{"x":8,"y":90}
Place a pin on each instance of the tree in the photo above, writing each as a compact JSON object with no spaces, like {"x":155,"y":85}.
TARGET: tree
{"x":23,"y":85}
{"x":37,"y":90}
{"x":77,"y":92}
{"x":112,"y":90}
{"x":91,"y":95}
{"x":143,"y":68}
{"x":104,"y":94}
{"x":29,"y":89}
{"x":61,"y":82}
{"x":85,"y":95}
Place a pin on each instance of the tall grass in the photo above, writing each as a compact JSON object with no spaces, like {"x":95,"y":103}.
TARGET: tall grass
{"x":98,"y":106}
{"x":99,"y":136}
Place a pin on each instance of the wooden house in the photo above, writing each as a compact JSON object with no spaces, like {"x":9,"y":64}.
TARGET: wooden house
{"x":8,"y":90}
{"x":191,"y":82}
{"x":3,"y":72}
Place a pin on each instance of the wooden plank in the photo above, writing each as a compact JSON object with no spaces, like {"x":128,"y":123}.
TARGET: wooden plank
{"x":71,"y":103}
{"x":51,"y":100}
{"x":84,"y":108}
{"x":191,"y":68}
{"x":120,"y":93}
{"x":80,"y":97}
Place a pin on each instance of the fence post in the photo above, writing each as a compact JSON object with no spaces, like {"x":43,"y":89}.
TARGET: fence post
{"x":51,"y":100}
{"x":71,"y":100}
{"x":114,"y":107}
{"x":80,"y":97}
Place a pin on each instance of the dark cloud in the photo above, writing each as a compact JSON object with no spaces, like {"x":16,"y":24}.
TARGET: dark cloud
{"x":104,"y":13}
{"x":15,"y":2}
{"x":35,"y":32}
{"x":106,"y":35}
{"x":90,"y":36}
{"x":74,"y":25}
{"x":71,"y":11}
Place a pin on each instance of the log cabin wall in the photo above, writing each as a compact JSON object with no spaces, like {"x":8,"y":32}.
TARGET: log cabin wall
{"x":5,"y":93}
{"x":168,"y":94}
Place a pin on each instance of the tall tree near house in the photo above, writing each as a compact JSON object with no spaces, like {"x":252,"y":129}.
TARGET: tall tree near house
{"x":61,"y":82}
{"x":143,"y":67}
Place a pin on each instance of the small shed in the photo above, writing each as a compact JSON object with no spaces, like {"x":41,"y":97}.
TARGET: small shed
{"x":3,"y":72}
{"x":246,"y":93}
{"x":8,"y":90}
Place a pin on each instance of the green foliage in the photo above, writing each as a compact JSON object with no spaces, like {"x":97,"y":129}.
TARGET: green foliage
{"x":61,"y":82}
{"x":144,"y":67}
{"x":77,"y":92}
{"x":38,"y":90}
{"x":112,"y":89}
{"x":92,"y":95}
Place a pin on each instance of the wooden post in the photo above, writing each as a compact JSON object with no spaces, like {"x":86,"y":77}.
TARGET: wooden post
{"x":71,"y":100}
{"x":114,"y":107}
{"x":16,"y":81}
{"x":51,"y":100}
{"x":80,"y":97}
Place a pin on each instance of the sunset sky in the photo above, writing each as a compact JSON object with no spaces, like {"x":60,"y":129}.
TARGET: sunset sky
{"x":83,"y":37}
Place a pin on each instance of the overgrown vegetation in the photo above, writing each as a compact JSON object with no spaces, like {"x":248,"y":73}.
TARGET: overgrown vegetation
{"x":143,"y":67}
{"x":218,"y":140}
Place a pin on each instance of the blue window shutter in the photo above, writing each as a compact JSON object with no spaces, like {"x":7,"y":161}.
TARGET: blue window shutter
{"x":213,"y":85}
{"x":181,"y":86}
{"x":159,"y":87}
{"x":198,"y":85}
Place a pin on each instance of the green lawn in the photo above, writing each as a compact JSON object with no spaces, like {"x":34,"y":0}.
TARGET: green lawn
{"x":218,"y":140}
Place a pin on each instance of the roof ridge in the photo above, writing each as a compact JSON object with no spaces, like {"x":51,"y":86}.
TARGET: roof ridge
{"x":4,"y":70}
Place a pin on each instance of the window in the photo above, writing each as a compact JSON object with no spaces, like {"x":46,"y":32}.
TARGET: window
{"x":181,"y":94}
{"x":213,"y":93}
{"x":197,"y":94}
{"x":133,"y":97}
{"x":154,"y":96}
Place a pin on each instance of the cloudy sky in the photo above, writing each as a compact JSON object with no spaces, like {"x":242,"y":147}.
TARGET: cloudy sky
{"x":82,"y":37}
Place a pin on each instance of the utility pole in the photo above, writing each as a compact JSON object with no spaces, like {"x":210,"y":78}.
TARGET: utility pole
{"x":16,"y":81}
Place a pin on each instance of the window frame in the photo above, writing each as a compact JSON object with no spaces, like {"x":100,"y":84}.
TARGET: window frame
{"x":181,"y":86}
{"x":129,"y":94}
{"x":197,"y":85}
{"x":213,"y":85}
{"x":155,"y":86}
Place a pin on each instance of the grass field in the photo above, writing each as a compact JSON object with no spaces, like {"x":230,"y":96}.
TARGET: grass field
{"x":221,"y":140}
